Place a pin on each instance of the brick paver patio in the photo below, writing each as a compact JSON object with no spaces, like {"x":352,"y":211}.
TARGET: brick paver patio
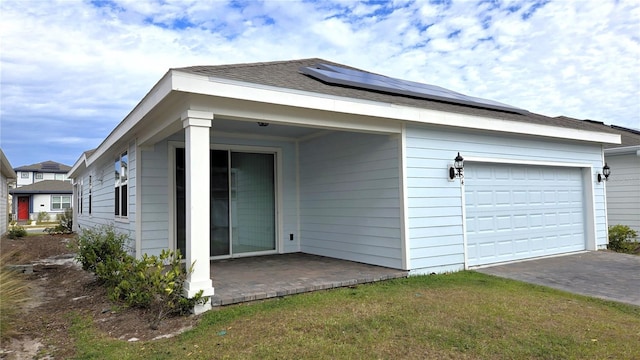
{"x":254,"y":278}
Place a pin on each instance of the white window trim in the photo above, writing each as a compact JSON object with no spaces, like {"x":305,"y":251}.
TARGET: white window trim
{"x":61,"y":196}
{"x":119,"y":217}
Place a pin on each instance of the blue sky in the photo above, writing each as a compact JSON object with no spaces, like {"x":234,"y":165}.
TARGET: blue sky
{"x":72,"y":70}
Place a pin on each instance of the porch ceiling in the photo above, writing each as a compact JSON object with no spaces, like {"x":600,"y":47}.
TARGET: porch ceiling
{"x":272,"y":130}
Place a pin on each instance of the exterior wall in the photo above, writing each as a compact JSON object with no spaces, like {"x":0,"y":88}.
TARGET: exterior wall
{"x":158,"y":218}
{"x":23,"y":181}
{"x":42,"y":202}
{"x":623,"y":190}
{"x":32,"y":177}
{"x":435,"y":212}
{"x":4,"y":205}
{"x":102,"y":207}
{"x":350,"y":198}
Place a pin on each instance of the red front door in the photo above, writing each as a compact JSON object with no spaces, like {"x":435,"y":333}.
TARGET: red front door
{"x":23,"y":208}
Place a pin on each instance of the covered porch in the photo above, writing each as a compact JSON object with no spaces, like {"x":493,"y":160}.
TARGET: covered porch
{"x":256,"y":278}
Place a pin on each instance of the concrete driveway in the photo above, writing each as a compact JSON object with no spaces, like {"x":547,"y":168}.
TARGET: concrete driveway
{"x":602,"y":274}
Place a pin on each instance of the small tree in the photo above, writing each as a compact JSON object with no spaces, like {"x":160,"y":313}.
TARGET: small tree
{"x":65,"y":223}
{"x":623,"y":239}
{"x":43,"y":216}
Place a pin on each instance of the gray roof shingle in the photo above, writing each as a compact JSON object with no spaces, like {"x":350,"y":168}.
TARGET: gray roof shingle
{"x":48,"y":166}
{"x":286,"y":74}
{"x":45,"y":187}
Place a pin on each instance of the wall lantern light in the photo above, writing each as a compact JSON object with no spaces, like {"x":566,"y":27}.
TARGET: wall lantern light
{"x":457,"y":170}
{"x":606,"y":171}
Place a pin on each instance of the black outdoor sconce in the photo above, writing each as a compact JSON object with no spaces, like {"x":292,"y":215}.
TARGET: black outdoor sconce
{"x":606,"y":171}
{"x":457,"y":170}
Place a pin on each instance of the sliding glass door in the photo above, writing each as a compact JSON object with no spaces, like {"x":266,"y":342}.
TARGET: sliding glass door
{"x":243,"y":204}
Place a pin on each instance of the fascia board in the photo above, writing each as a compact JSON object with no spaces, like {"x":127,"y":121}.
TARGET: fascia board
{"x":159,"y":91}
{"x":7,"y":170}
{"x":220,"y":87}
{"x":623,"y":150}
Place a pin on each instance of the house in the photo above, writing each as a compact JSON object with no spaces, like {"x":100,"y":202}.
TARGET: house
{"x":47,"y":170}
{"x":7,"y":175}
{"x":52,"y":197}
{"x":623,"y":186}
{"x":317,"y":157}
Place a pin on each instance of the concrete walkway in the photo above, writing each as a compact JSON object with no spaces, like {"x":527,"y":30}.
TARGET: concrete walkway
{"x":262,"y":277}
{"x":602,"y":274}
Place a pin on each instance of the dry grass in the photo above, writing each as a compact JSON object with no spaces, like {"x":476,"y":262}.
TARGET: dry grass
{"x":462,"y":315}
{"x":13,"y":292}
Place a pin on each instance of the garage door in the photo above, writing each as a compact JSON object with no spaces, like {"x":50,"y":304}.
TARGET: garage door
{"x":517,"y":212}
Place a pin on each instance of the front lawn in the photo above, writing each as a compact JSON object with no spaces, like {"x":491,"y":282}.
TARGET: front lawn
{"x":462,"y":315}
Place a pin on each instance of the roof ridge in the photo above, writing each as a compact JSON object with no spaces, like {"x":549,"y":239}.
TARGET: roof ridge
{"x":252,"y":64}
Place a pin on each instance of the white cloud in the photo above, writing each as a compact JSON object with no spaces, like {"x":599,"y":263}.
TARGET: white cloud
{"x":75,"y":65}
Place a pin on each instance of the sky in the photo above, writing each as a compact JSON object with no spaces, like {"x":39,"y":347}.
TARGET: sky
{"x":71,"y":70}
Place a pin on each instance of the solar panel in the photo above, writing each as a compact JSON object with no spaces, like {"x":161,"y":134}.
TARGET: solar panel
{"x":337,"y":75}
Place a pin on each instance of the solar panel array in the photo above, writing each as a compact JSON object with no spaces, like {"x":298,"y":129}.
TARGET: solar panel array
{"x":337,"y":75}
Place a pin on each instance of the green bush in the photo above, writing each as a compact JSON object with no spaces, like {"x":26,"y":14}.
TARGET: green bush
{"x":43,"y":216}
{"x":623,"y":239}
{"x":102,"y":251}
{"x":65,"y":223}
{"x":152,"y":282}
{"x":16,"y":231}
{"x":156,"y":283}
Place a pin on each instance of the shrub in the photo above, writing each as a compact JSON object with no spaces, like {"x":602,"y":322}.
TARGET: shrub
{"x":152,"y":282}
{"x":43,"y":216}
{"x":13,"y":292}
{"x":102,"y":251}
{"x":16,"y":231}
{"x":65,"y":223}
{"x":156,"y":283}
{"x":622,"y":238}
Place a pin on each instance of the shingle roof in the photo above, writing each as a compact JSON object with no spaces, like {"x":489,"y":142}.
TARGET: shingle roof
{"x":629,"y":137}
{"x":286,"y":74}
{"x":45,"y":187}
{"x":48,"y":166}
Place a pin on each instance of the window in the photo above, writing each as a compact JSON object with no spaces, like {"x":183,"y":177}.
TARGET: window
{"x":59,"y":202}
{"x":80,"y":191}
{"x":90,"y":189}
{"x":121,"y":179}
{"x":24,"y":175}
{"x":59,"y":176}
{"x":39,"y":176}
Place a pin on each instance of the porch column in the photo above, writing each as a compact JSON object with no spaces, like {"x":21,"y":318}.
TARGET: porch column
{"x":197,"y":125}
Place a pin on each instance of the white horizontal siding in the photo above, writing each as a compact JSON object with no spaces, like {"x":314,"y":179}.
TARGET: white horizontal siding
{"x":623,"y":190}
{"x":102,"y":199}
{"x":435,"y":232}
{"x":349,"y":198}
{"x":156,"y":215}
{"x":154,"y":198}
{"x":4,"y":205}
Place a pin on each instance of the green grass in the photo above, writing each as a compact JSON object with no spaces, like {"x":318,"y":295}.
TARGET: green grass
{"x":463,"y":315}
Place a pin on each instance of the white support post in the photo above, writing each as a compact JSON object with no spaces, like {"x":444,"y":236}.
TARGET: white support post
{"x":197,"y":125}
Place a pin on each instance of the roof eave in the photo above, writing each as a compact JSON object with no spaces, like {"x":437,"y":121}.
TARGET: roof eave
{"x":158,"y":92}
{"x":5,"y":167}
{"x":221,"y":87}
{"x":623,"y":150}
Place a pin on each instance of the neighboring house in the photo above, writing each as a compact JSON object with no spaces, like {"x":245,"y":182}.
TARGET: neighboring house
{"x":50,"y":196}
{"x":47,"y":170}
{"x":316,"y":157}
{"x":623,"y":186}
{"x":7,"y":175}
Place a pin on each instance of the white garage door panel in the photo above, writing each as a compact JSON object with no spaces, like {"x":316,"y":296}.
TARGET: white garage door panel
{"x":516,"y":212}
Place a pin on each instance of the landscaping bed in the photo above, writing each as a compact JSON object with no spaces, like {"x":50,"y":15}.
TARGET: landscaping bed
{"x":59,"y":291}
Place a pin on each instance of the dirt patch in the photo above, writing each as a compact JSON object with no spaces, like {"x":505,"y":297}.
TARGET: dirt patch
{"x":60,"y":290}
